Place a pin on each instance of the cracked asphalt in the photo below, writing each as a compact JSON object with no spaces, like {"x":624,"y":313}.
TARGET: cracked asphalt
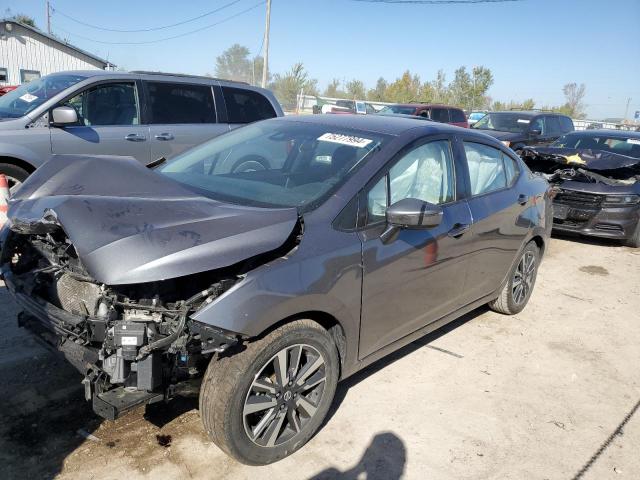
{"x":551,"y":393}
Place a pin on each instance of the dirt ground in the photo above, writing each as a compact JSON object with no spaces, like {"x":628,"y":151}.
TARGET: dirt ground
{"x":552,"y":393}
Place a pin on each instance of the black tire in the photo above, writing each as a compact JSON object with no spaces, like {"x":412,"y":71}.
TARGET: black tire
{"x":511,"y":299}
{"x":13,"y":173}
{"x":634,"y":240}
{"x":225,"y":396}
{"x":250,"y":163}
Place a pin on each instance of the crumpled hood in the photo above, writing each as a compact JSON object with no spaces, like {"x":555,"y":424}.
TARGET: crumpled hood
{"x":599,"y":160}
{"x":130,"y":224}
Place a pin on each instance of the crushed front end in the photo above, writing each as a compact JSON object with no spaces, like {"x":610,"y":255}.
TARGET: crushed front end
{"x":595,"y":193}
{"x":135,"y":344}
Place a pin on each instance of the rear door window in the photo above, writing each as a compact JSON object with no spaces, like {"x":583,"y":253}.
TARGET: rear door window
{"x":486,"y":168}
{"x":457,"y":115}
{"x":176,"y":103}
{"x":246,"y":106}
{"x":566,"y":124}
{"x":440,"y":115}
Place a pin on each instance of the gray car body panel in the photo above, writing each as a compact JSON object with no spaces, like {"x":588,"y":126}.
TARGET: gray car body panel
{"x":155,"y":231}
{"x":29,"y":139}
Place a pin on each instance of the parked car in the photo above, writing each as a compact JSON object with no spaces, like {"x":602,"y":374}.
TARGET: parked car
{"x":364,"y":234}
{"x":6,"y":89}
{"x":475,"y":116}
{"x":436,"y":112}
{"x":597,"y":178}
{"x":348,"y":106}
{"x":141,"y":114}
{"x":517,"y":129}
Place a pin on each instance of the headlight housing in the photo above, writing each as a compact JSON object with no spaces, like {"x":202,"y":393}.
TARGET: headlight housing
{"x":621,"y":200}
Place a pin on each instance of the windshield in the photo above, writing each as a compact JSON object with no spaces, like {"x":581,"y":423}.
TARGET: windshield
{"x":476,"y":115}
{"x":274,"y":163}
{"x":629,"y":146}
{"x":31,"y":95}
{"x":398,"y":109}
{"x":504,"y":122}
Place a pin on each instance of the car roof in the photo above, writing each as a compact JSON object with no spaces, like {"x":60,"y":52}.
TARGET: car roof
{"x":424,"y":105}
{"x":148,"y":75}
{"x":609,"y":132}
{"x":384,"y":124}
{"x":528,"y":113}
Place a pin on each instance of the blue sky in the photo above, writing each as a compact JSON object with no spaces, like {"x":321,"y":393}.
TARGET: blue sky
{"x":533,"y":47}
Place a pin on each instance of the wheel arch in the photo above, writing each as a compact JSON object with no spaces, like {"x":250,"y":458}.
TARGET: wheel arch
{"x":329,"y":322}
{"x":18,"y":163}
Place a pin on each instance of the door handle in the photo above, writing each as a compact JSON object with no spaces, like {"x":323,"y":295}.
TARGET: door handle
{"x":134,"y":137}
{"x":458,"y":230}
{"x":164,"y":136}
{"x":523,"y":199}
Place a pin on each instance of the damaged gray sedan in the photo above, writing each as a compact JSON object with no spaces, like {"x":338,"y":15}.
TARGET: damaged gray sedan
{"x":596,"y":178}
{"x":345,"y":238}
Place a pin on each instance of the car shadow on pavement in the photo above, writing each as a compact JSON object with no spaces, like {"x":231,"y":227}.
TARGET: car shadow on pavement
{"x":384,"y":459}
{"x":422,"y":342}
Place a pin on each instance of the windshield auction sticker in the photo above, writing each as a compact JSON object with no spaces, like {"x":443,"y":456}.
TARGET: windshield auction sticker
{"x":356,"y":142}
{"x":27,"y":97}
{"x":633,"y":141}
{"x":523,"y":120}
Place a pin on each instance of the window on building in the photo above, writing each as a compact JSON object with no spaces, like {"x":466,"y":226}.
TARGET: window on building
{"x":27,"y":76}
{"x":4,"y":75}
{"x":179,"y":103}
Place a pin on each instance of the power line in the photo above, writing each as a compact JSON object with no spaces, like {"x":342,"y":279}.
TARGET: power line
{"x":153,"y":29}
{"x":437,"y":2}
{"x":247,"y":10}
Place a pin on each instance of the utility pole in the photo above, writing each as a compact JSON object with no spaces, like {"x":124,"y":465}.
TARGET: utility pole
{"x":265,"y":66}
{"x":48,"y":18}
{"x":626,"y":109}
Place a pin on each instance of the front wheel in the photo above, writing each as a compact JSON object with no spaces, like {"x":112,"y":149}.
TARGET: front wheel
{"x":263,"y":403}
{"x":522,"y":278}
{"x":634,"y":240}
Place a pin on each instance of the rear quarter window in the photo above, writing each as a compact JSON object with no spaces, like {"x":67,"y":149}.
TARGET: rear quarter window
{"x":566,"y":124}
{"x":246,"y":106}
{"x":440,"y":115}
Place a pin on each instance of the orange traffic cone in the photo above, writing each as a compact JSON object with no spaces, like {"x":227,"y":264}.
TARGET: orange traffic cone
{"x":4,"y":199}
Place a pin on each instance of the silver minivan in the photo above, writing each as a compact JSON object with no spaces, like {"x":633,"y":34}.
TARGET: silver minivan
{"x":145,"y":115}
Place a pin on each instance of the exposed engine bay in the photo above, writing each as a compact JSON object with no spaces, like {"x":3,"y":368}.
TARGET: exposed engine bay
{"x":589,"y":166}
{"x":134,"y":343}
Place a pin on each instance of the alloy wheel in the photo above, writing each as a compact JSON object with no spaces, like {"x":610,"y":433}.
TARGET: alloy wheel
{"x":284,"y":395}
{"x":523,"y":278}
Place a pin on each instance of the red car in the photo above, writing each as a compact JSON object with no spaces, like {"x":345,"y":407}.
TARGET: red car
{"x":432,"y":111}
{"x":7,"y":89}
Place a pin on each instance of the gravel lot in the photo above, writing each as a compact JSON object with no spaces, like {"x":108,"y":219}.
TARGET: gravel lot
{"x":553,"y":392}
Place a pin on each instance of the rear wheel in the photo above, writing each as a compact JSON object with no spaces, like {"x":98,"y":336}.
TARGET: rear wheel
{"x":522,"y":278}
{"x":263,"y":403}
{"x":15,"y":175}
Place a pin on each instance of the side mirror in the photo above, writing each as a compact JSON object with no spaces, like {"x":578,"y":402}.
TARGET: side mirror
{"x":535,"y":132}
{"x":61,"y":116}
{"x":411,"y":213}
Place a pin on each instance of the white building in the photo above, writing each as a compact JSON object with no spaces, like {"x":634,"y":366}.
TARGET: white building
{"x":27,"y":53}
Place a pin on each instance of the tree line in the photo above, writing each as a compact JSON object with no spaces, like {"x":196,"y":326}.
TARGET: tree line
{"x":467,"y":89}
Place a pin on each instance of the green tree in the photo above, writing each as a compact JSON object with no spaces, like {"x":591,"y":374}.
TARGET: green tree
{"x":404,"y":89}
{"x":574,"y":96}
{"x":333,"y":90}
{"x":356,"y":90}
{"x":481,"y":81}
{"x":439,"y":88}
{"x":378,"y":94}
{"x":20,"y":18}
{"x":460,"y":88}
{"x":288,"y":86}
{"x":234,"y":64}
